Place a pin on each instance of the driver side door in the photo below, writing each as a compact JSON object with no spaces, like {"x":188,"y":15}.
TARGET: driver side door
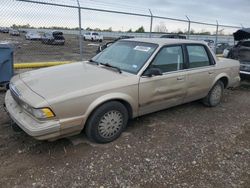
{"x":169,"y":88}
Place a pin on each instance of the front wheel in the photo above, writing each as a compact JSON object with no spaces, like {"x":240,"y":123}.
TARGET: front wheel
{"x":107,"y":122}
{"x":215,"y":95}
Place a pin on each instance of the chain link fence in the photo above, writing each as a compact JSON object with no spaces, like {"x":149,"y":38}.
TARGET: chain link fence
{"x":37,"y":19}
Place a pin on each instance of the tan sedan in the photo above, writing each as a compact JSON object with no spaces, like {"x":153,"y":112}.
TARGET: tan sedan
{"x":130,"y":78}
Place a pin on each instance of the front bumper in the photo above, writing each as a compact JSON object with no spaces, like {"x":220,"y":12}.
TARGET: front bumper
{"x":41,"y":130}
{"x":245,"y":68}
{"x":245,"y":72}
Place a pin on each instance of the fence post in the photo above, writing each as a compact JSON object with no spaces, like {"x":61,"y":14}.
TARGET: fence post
{"x":189,"y":26}
{"x":151,"y":23}
{"x":216,"y":37}
{"x":80,"y":31}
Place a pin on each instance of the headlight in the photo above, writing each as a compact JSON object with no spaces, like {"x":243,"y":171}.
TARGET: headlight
{"x":40,"y":113}
{"x":43,"y":113}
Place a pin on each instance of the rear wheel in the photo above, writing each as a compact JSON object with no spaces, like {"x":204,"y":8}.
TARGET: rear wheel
{"x":107,"y":122}
{"x":215,"y":95}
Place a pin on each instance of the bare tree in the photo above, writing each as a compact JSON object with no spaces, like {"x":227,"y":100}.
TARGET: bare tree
{"x":161,"y":28}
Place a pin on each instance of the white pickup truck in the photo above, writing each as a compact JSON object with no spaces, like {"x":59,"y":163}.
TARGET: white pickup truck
{"x":93,"y":36}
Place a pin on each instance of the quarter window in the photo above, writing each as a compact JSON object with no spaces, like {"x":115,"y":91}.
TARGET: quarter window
{"x":197,"y":56}
{"x":169,"y":59}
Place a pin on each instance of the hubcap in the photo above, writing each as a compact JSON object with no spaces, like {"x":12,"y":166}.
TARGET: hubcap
{"x":216,"y":94}
{"x":110,"y":124}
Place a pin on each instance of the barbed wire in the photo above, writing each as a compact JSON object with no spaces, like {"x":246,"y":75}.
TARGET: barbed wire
{"x":67,"y":4}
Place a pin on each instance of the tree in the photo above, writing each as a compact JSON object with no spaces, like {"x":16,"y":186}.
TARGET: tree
{"x":97,"y":29}
{"x":204,"y":32}
{"x":89,"y":29}
{"x":108,"y":30}
{"x":129,"y":31}
{"x":180,"y":31}
{"x":161,"y":28}
{"x":192,"y":32}
{"x":140,"y":30}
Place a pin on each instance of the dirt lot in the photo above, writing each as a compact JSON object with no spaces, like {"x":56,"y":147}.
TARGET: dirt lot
{"x":186,"y":146}
{"x":35,"y":51}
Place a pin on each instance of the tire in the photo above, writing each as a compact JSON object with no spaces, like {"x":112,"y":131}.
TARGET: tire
{"x":84,"y":38}
{"x":215,"y":95}
{"x":100,"y":40}
{"x":99,"y":127}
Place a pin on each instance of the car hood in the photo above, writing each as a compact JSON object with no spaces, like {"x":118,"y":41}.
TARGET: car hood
{"x":61,"y":80}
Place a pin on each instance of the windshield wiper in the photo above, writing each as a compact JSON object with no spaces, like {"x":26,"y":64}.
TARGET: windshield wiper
{"x":111,"y":66}
{"x":93,"y":62}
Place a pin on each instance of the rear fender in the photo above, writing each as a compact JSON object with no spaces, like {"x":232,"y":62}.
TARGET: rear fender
{"x":219,"y":76}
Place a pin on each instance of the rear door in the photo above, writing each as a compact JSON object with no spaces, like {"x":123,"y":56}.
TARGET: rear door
{"x":200,"y":71}
{"x":162,"y":91}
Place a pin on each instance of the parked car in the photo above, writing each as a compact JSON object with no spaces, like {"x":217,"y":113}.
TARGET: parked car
{"x":33,"y":35}
{"x":174,"y":36}
{"x":55,"y":37}
{"x":4,"y":30}
{"x":14,"y":32}
{"x":131,"y":78}
{"x":226,"y":52}
{"x":221,"y":46}
{"x":103,"y":47}
{"x":241,"y":51}
{"x":93,"y":36}
{"x":210,"y":43}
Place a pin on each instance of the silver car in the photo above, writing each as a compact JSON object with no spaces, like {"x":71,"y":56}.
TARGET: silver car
{"x":131,"y":78}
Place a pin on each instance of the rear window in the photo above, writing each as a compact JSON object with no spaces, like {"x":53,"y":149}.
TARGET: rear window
{"x":94,"y":33}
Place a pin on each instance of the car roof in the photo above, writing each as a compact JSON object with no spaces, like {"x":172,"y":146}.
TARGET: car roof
{"x":164,"y":41}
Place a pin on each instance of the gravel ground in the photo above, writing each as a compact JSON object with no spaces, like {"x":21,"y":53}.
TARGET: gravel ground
{"x":186,"y":146}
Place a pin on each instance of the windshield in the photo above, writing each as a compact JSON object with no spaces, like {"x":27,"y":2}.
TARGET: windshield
{"x":128,"y":56}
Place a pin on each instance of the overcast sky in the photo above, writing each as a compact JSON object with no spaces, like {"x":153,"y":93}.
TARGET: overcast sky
{"x":227,"y":12}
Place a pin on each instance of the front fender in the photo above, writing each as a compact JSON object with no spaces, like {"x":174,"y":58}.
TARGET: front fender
{"x":113,"y":96}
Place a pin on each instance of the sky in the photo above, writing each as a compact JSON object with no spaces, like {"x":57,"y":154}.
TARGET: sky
{"x":227,"y":12}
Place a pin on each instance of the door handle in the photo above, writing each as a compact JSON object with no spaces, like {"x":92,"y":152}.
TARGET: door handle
{"x":180,"y":78}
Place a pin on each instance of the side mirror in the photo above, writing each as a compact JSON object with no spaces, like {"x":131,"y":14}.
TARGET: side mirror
{"x":152,"y":72}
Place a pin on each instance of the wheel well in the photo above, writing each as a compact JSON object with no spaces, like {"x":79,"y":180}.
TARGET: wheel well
{"x":224,"y":81}
{"x":128,"y":107}
{"x":125,"y":103}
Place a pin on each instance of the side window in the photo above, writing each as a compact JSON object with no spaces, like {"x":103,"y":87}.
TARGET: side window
{"x":169,"y":59}
{"x":197,"y":56}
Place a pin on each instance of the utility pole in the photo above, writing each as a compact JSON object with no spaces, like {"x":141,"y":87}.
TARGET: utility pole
{"x":189,"y":26}
{"x":80,"y":30}
{"x":151,"y":23}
